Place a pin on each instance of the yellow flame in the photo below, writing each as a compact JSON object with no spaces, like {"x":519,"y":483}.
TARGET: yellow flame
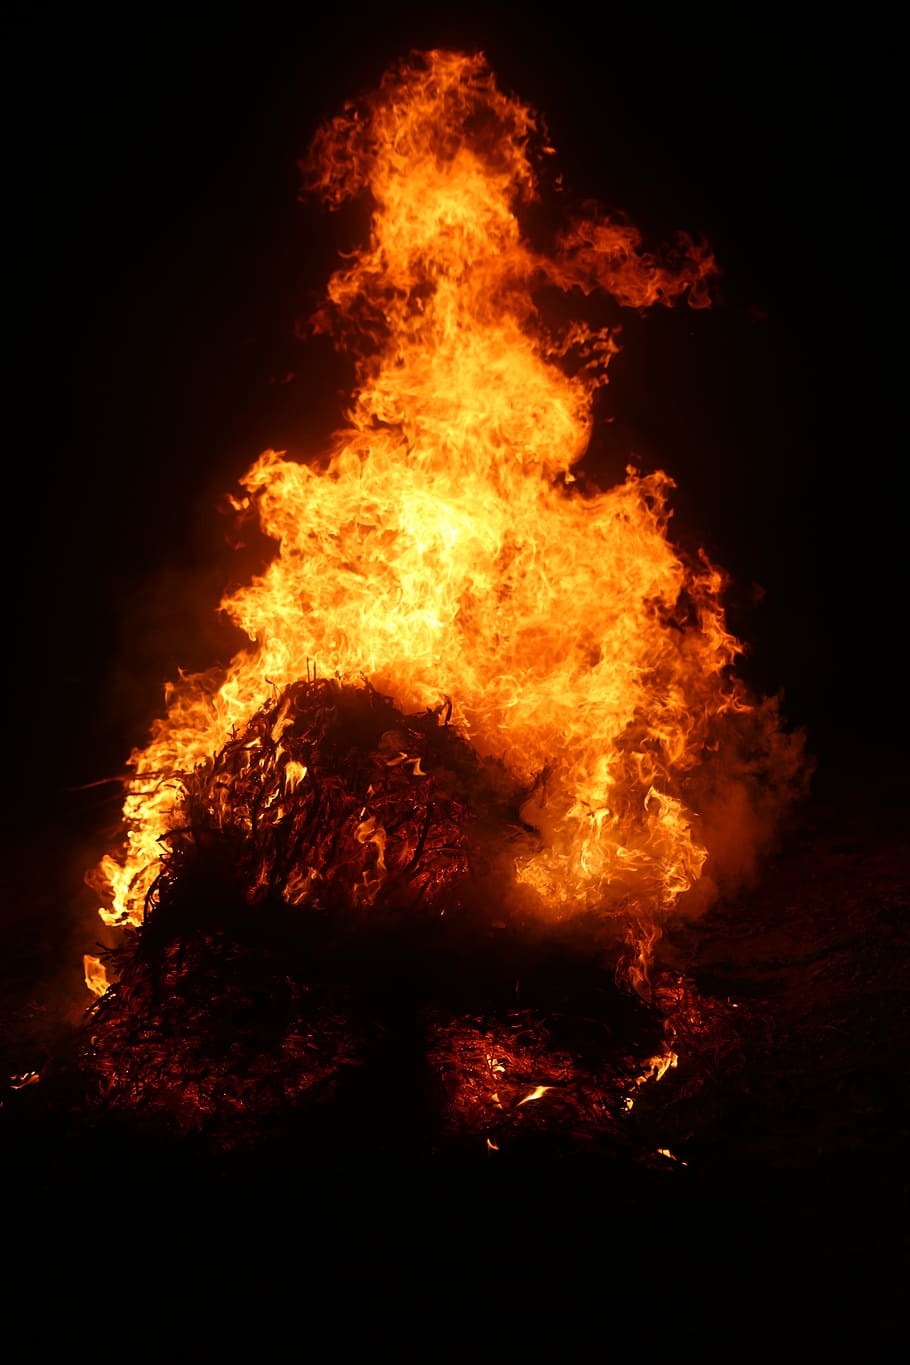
{"x":444,"y":548}
{"x":658,"y":1066}
{"x":534,"y":1094}
{"x":655,"y":1069}
{"x":96,"y":978}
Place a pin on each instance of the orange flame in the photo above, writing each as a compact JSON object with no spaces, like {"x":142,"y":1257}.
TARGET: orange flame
{"x":95,"y":973}
{"x":446,"y":550}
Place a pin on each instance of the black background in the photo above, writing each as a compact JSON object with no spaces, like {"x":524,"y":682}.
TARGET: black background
{"x":158,"y":262}
{"x":162,"y":258}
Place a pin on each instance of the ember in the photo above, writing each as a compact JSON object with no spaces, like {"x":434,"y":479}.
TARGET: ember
{"x":328,"y":872}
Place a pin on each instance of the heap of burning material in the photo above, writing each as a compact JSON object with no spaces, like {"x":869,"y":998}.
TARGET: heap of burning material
{"x":330,"y":820}
{"x":335,"y":801}
{"x":322,"y":929}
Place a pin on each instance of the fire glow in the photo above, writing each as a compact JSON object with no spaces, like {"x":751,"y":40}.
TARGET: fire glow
{"x":445,"y":551}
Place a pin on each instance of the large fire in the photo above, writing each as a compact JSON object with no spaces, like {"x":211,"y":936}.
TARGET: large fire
{"x":445,"y":552}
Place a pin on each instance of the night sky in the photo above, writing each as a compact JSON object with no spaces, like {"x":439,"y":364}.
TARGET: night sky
{"x":159,"y":261}
{"x":162,"y":260}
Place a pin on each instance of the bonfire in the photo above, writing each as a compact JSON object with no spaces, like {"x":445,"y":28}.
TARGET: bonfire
{"x":488,"y":717}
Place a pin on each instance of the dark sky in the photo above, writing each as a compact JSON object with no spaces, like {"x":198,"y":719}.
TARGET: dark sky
{"x":161,"y":260}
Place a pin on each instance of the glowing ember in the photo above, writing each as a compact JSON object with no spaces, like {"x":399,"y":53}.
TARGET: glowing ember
{"x":445,"y":551}
{"x":535,"y":1094}
{"x":24,"y":1080}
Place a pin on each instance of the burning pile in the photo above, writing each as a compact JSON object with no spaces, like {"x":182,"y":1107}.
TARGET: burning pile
{"x":334,"y":801}
{"x":331,"y":815}
{"x":334,"y":855}
{"x":551,"y":720}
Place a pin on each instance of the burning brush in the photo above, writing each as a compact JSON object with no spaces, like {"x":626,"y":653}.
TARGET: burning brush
{"x":526,"y":744}
{"x":330,"y":880}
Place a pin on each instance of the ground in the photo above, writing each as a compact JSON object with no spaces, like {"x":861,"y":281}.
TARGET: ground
{"x":755,"y":1196}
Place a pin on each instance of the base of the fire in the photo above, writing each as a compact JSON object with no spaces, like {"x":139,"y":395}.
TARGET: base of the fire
{"x":324,"y":958}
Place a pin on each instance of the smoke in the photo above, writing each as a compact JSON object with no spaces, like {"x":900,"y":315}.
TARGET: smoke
{"x":745,"y":794}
